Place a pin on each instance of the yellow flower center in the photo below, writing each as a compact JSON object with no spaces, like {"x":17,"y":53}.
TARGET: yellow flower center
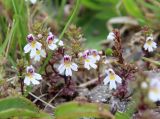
{"x":87,"y":60}
{"x":37,"y":52}
{"x":149,"y":42}
{"x":33,"y":44}
{"x":155,"y":90}
{"x":30,"y":75}
{"x":112,"y":76}
{"x":50,"y":41}
{"x":68,"y":65}
{"x":94,"y":55}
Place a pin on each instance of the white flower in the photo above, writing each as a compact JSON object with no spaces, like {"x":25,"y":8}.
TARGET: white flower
{"x":52,"y":42}
{"x":39,"y":54}
{"x":39,"y":36}
{"x":154,"y":90}
{"x":89,"y":61}
{"x":67,"y":66}
{"x":32,"y":1}
{"x":88,"y":52}
{"x":112,"y":79}
{"x":95,"y":55}
{"x":111,"y":36}
{"x":150,"y":45}
{"x":144,"y":85}
{"x":31,"y":76}
{"x":32,"y":45}
{"x":60,"y":43}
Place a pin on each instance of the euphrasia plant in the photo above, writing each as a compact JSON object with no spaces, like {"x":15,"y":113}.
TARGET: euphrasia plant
{"x":69,"y":58}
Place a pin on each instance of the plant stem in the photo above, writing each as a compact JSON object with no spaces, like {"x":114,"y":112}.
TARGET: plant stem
{"x":151,"y":61}
{"x":60,"y":11}
{"x":22,"y":85}
{"x":18,"y":24}
{"x":61,"y":35}
{"x":21,"y":81}
{"x":70,"y":19}
{"x":9,"y":38}
{"x":41,"y":100}
{"x":98,"y":72}
{"x":15,"y":10}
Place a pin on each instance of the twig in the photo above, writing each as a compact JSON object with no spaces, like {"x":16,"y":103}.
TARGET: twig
{"x":39,"y":97}
{"x":89,"y":82}
{"x":121,"y":20}
{"x":12,"y":78}
{"x":53,"y":98}
{"x":41,"y":100}
{"x":151,"y":61}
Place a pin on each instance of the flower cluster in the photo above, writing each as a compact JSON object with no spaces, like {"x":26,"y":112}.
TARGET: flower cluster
{"x":89,"y":58}
{"x":66,"y":61}
{"x":37,"y":50}
{"x":52,"y":42}
{"x":69,"y":63}
{"x":33,"y":46}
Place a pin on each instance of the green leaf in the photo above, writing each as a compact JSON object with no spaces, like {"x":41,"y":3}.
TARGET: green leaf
{"x":120,"y":115}
{"x":94,"y":36}
{"x":13,"y":33}
{"x":17,"y":102}
{"x":128,"y":113}
{"x":19,"y":107}
{"x":133,"y":9}
{"x":14,"y":112}
{"x":76,"y":110}
{"x":91,"y":5}
{"x":8,"y":38}
{"x":149,"y":5}
{"x":103,"y":16}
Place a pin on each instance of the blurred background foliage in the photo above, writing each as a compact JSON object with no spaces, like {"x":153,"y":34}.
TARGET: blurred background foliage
{"x":17,"y":18}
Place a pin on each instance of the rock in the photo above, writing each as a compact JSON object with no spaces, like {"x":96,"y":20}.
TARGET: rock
{"x":100,"y":93}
